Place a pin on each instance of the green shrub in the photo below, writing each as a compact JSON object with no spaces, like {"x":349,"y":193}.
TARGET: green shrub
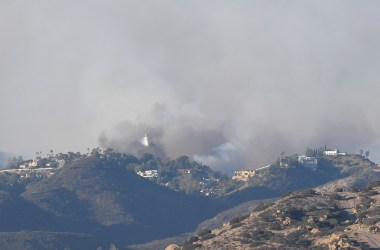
{"x":246,"y":235}
{"x":203,"y":232}
{"x":245,"y":241}
{"x":295,"y":214}
{"x":370,"y":221}
{"x":238,"y":219}
{"x":374,"y":184}
{"x":256,"y":243}
{"x":207,"y":237}
{"x":236,"y":225}
{"x":262,"y":206}
{"x":335,"y":196}
{"x":372,"y":192}
{"x":191,"y":247}
{"x":362,"y":214}
{"x":278,"y":239}
{"x":274,"y":226}
{"x":192,"y":239}
{"x":268,"y":216}
{"x":262,"y":235}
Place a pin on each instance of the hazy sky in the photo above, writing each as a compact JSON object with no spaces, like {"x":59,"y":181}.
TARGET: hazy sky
{"x":232,"y":83}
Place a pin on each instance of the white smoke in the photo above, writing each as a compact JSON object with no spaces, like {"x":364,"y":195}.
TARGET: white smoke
{"x":262,"y":76}
{"x":145,"y":141}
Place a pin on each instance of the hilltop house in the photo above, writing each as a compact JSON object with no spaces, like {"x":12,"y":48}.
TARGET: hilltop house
{"x":184,"y":170}
{"x":308,"y":162}
{"x":243,"y":175}
{"x":29,"y":164}
{"x":333,"y":152}
{"x":148,"y":173}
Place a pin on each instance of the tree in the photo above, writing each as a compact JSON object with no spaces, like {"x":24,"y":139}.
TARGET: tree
{"x":12,"y":163}
{"x":309,"y":152}
{"x":366,"y":154}
{"x":361,"y":152}
{"x":20,"y":159}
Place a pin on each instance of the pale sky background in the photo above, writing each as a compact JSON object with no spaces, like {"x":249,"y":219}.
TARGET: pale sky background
{"x":232,"y":83}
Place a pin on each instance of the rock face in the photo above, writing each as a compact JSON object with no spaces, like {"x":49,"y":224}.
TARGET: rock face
{"x":173,"y":247}
{"x":290,"y":223}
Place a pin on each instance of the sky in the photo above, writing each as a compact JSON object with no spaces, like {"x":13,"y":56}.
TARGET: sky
{"x":232,"y":84}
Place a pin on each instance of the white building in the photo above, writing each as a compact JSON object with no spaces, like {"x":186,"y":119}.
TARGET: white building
{"x":308,"y":162}
{"x":184,"y":171}
{"x":148,"y":173}
{"x":331,"y":152}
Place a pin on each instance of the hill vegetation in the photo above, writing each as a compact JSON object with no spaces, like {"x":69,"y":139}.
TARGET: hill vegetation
{"x":301,"y":220}
{"x":99,"y":197}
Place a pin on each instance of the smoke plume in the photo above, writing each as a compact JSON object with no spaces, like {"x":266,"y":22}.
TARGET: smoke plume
{"x":231,"y":83}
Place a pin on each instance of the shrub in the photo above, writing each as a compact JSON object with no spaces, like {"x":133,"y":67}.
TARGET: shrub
{"x":203,"y":232}
{"x":370,"y":221}
{"x":191,"y":247}
{"x":256,"y":243}
{"x":374,"y":184}
{"x":262,"y":235}
{"x":262,"y":206}
{"x":238,"y":219}
{"x":207,"y":237}
{"x":236,"y":225}
{"x":246,"y":235}
{"x":193,"y":239}
{"x":278,"y":239}
{"x":366,"y":201}
{"x":245,"y":241}
{"x":274,"y":226}
{"x":335,"y":196}
{"x":355,"y":190}
{"x":372,"y":192}
{"x":295,"y":214}
{"x":267,"y":216}
{"x":361,"y":214}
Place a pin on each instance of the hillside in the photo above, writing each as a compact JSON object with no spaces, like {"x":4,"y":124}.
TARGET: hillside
{"x":185,"y":175}
{"x":351,"y":171}
{"x":274,"y":180}
{"x":357,"y":172}
{"x":99,"y":197}
{"x":301,"y":220}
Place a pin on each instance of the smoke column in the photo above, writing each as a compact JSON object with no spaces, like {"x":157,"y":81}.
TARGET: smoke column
{"x":231,"y":83}
{"x":145,"y":141}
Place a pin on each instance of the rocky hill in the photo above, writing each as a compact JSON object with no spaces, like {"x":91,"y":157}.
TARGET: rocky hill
{"x":301,"y":220}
